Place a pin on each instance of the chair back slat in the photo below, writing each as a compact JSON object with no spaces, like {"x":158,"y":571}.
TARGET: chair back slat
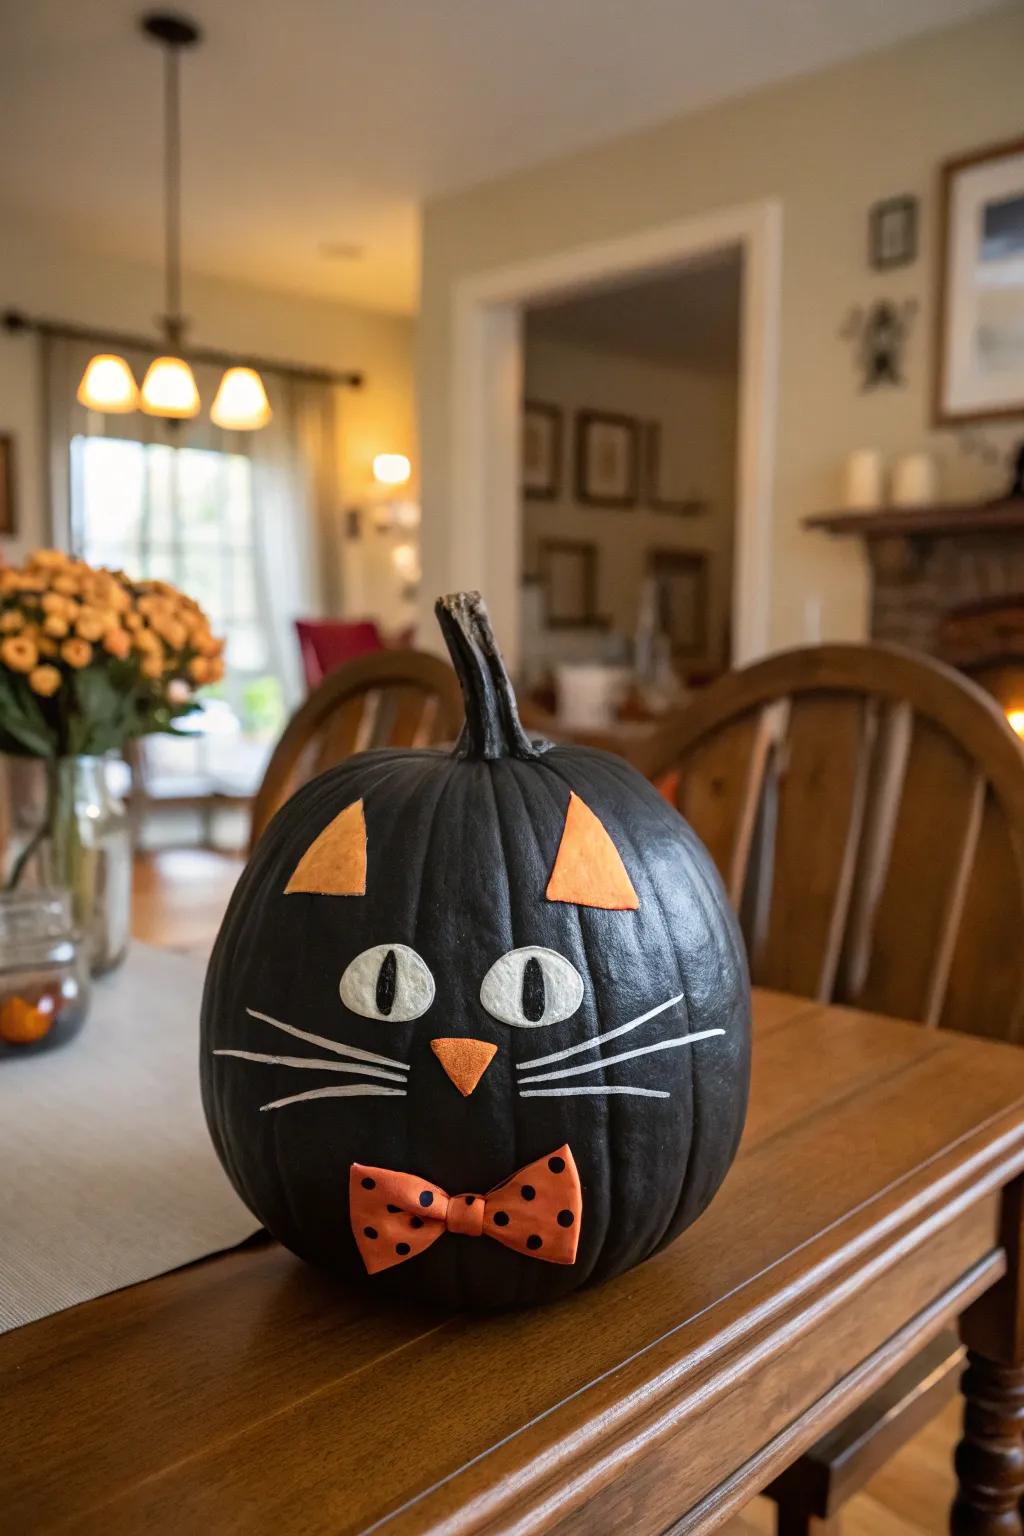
{"x":985,"y":987}
{"x":915,"y":920}
{"x":720,"y":785}
{"x":865,"y":808}
{"x":822,"y":771}
{"x":388,"y":698}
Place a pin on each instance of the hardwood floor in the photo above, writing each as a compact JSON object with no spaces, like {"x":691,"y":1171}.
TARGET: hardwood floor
{"x":180,"y":896}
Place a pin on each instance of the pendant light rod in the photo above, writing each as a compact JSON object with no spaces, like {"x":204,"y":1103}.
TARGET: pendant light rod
{"x":173,"y":33}
{"x":17,"y":322}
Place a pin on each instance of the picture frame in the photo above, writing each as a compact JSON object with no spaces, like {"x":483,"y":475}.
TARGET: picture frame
{"x":682,"y":578}
{"x":979,"y":348}
{"x":892,"y":232}
{"x":568,"y":576}
{"x":8,"y":509}
{"x":684,"y":506}
{"x":541,"y":451}
{"x":607,"y":459}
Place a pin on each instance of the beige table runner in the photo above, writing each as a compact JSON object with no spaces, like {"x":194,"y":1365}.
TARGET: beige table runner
{"x":107,"y":1173}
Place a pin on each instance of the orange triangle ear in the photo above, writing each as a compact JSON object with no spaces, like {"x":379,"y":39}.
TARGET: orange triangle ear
{"x":335,"y":864}
{"x":588,"y":870}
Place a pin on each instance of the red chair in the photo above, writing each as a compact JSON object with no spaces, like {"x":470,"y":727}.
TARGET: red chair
{"x":327,"y":644}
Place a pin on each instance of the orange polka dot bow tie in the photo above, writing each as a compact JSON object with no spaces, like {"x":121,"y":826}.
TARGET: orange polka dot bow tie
{"x":537,"y":1212}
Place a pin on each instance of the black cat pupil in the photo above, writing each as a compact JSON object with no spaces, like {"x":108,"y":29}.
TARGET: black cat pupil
{"x":533,"y":990}
{"x":387,"y":980}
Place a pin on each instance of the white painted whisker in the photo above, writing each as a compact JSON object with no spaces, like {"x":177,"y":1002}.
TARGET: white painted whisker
{"x":310,"y":1063}
{"x":349,"y":1091}
{"x":611,"y":1034}
{"x":352,"y":1051}
{"x":572,"y":1093}
{"x":609,"y":1061}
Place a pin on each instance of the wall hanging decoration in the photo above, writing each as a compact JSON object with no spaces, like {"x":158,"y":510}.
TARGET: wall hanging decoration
{"x":681,"y":580}
{"x":879,"y":335}
{"x":568,"y":571}
{"x":541,"y":468}
{"x":476,"y":1027}
{"x":980,"y":354}
{"x":654,"y":496}
{"x":607,"y":459}
{"x":8,"y":517}
{"x":892,"y":233}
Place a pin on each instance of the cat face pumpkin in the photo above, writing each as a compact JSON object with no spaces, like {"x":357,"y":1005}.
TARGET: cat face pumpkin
{"x":450,"y":969}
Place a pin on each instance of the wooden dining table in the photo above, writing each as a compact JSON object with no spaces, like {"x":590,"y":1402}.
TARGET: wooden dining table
{"x":877,"y":1195}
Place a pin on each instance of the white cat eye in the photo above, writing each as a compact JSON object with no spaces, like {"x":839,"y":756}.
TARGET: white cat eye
{"x":532,"y":987}
{"x":389,"y":982}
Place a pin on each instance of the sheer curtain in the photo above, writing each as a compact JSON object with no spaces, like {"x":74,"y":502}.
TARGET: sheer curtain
{"x":295,"y":484}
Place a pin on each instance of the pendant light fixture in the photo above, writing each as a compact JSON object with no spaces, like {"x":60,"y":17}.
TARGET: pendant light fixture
{"x":169,"y":388}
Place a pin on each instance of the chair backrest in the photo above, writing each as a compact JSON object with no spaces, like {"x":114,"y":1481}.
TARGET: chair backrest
{"x":389,"y":698}
{"x":326,"y":644}
{"x":865,"y":808}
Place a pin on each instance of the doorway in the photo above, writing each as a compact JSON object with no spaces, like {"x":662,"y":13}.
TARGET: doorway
{"x":488,"y":372}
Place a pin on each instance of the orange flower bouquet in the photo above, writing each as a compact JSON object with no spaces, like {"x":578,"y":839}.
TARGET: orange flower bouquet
{"x":89,"y":660}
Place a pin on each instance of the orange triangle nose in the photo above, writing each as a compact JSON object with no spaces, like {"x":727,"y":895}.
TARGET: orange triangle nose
{"x":465,"y":1061}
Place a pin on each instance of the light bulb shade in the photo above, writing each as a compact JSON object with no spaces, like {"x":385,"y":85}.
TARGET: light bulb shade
{"x":108,"y":384}
{"x":241,"y":404}
{"x":169,"y":389}
{"x":391,"y":468}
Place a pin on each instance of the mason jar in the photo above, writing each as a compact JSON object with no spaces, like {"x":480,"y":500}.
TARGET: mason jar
{"x":44,"y":972}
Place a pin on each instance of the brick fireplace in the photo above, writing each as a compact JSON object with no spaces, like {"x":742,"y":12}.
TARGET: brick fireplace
{"x":949,"y":581}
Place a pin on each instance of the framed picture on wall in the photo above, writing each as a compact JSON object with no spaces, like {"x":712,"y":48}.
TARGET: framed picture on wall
{"x":655,"y":495}
{"x":8,"y":520}
{"x":980,"y":352}
{"x":892,"y":233}
{"x":681,"y":578}
{"x":568,"y":574}
{"x":607,"y":459}
{"x":541,"y":469}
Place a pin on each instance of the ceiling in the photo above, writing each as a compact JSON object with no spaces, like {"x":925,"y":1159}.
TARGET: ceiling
{"x":330,"y":121}
{"x":689,"y":317}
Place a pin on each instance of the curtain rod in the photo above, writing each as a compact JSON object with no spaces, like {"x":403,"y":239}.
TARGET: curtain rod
{"x":15,"y":321}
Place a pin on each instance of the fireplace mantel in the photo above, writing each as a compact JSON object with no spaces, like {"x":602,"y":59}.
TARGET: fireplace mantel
{"x":1004,"y":516}
{"x":928,"y":562}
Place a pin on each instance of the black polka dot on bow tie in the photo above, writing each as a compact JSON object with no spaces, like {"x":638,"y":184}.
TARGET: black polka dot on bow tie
{"x":415,"y":1221}
{"x":469,"y":1199}
{"x":394,"y":1209}
{"x":556,"y":1164}
{"x":402,"y":1248}
{"x":566,"y":1218}
{"x":426,"y":1198}
{"x":369,"y":1183}
{"x":533,"y":1241}
{"x":501,"y":1218}
{"x":528,"y":1192}
{"x":369,"y":1231}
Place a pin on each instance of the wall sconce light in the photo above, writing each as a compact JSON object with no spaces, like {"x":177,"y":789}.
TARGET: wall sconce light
{"x":391,"y":468}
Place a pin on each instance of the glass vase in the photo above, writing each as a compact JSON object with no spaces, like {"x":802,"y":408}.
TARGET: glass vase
{"x":84,"y":847}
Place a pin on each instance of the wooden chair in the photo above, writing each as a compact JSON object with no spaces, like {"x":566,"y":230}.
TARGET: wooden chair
{"x":386,"y":698}
{"x":865,"y":808}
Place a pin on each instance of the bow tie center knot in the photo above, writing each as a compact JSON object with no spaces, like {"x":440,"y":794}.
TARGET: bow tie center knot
{"x":466,"y":1215}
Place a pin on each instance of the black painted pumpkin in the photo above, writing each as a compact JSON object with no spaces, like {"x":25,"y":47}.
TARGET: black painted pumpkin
{"x":439,"y":970}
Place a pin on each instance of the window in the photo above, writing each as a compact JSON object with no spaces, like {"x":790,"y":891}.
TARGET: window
{"x":183,"y":515}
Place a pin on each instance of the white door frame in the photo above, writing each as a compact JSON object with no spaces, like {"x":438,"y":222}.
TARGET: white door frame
{"x":487,"y":372}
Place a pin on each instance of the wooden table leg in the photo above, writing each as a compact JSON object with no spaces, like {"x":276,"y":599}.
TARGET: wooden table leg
{"x":990,"y":1457}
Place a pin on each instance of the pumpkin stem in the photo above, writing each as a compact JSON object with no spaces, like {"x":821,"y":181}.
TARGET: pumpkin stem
{"x":493,"y":727}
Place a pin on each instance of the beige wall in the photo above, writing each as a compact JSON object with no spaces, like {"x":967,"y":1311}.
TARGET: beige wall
{"x":41,"y":275}
{"x":826,"y":146}
{"x":697,"y":415}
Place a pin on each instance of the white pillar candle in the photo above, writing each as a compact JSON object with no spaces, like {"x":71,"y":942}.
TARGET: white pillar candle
{"x":914,"y":480}
{"x":862,"y":480}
